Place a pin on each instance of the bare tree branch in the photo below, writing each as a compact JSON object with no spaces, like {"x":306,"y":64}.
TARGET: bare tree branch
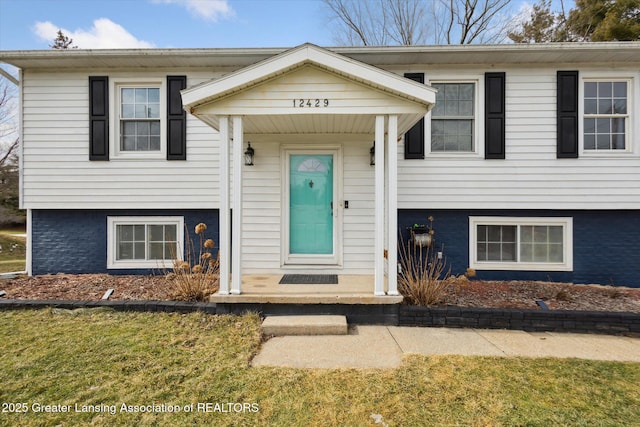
{"x":478,"y":22}
{"x":452,"y":7}
{"x":9,"y":160}
{"x":410,"y":22}
{"x":436,"y":30}
{"x":379,"y":22}
{"x":7,"y":156}
{"x":408,"y":18}
{"x":8,"y":112}
{"x":8,"y":126}
{"x":356,"y":16}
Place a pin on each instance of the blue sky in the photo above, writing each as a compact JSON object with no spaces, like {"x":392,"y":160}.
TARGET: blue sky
{"x":97,"y":24}
{"x":32,"y":24}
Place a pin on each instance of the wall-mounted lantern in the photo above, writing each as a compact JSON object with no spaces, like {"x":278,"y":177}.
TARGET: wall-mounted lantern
{"x":248,"y":155}
{"x":372,"y":155}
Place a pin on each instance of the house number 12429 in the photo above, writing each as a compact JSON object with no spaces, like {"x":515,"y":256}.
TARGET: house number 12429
{"x":310,"y":103}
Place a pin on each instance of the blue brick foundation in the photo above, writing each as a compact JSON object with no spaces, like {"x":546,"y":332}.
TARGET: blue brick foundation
{"x":606,"y":244}
{"x":75,"y":241}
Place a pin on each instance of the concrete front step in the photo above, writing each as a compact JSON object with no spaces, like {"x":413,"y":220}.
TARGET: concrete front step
{"x":305,"y":325}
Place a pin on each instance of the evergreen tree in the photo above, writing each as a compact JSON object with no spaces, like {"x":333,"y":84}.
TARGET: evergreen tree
{"x":603,"y":20}
{"x":62,"y":42}
{"x":543,"y":25}
{"x":590,"y":20}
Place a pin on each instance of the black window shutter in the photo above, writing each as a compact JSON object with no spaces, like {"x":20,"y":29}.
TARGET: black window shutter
{"x":98,"y":118}
{"x":494,"y":115}
{"x":567,"y":115}
{"x":414,"y":139}
{"x":176,"y":119}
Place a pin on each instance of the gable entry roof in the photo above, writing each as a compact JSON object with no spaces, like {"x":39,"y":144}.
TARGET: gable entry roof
{"x":270,"y":111}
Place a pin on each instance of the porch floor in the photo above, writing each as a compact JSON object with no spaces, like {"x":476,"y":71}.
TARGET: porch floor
{"x":265,"y":289}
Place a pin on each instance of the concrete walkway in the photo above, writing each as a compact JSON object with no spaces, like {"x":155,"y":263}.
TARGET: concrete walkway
{"x":384,"y":346}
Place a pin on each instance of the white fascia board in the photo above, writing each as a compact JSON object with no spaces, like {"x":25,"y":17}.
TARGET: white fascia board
{"x":237,"y":80}
{"x":300,"y":56}
{"x":373,"y":76}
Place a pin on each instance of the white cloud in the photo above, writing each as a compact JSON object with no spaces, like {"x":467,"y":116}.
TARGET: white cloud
{"x":517,"y":20}
{"x":105,"y":34}
{"x":524,"y":12}
{"x":209,"y":10}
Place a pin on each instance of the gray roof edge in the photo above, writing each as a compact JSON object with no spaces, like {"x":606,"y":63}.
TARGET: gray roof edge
{"x":243,"y":56}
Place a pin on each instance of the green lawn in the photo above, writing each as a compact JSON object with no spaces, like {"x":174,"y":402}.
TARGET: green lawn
{"x":101,"y":357}
{"x":12,"y":251}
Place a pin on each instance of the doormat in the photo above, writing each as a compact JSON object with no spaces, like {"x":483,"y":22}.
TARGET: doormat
{"x":309,"y":279}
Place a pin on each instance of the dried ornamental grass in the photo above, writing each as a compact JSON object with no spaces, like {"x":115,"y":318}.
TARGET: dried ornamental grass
{"x":195,"y":277}
{"x":424,"y":278}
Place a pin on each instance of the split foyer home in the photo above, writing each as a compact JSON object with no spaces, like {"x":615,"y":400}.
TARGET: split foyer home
{"x":319,"y":160}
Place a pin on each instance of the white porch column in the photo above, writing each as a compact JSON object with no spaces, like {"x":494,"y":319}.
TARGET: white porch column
{"x":28,"y":265}
{"x":238,"y":157}
{"x":379,"y":208}
{"x":392,"y":218}
{"x":224,"y":239}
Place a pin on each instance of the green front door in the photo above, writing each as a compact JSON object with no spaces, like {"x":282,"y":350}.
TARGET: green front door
{"x":311,"y":204}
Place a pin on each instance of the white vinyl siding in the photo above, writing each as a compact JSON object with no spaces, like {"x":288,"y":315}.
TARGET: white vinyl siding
{"x":297,"y":91}
{"x":59,"y":175}
{"x":507,"y":243}
{"x":531,"y":177}
{"x":144,"y":242}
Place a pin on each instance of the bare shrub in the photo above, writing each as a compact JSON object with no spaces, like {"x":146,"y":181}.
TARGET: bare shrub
{"x":425,"y":278}
{"x":196,"y":276}
{"x":563,"y":295}
{"x":613,"y":293}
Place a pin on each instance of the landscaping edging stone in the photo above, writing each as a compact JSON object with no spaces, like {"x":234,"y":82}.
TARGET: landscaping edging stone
{"x":612,"y":323}
{"x":525,"y":320}
{"x":130,"y":305}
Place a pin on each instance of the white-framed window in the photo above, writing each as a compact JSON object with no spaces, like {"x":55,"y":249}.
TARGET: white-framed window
{"x":454,"y":126}
{"x":606,"y":103}
{"x":515,"y":243}
{"x":605,"y":114}
{"x":138,"y":129}
{"x":144,"y":242}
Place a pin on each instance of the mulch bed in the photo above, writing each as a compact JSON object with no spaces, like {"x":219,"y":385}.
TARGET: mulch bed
{"x":474,"y":293}
{"x":557,"y":296}
{"x":89,"y":287}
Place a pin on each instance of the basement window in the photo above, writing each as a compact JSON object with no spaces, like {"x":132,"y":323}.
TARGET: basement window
{"x":144,"y":242}
{"x":505,"y":243}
